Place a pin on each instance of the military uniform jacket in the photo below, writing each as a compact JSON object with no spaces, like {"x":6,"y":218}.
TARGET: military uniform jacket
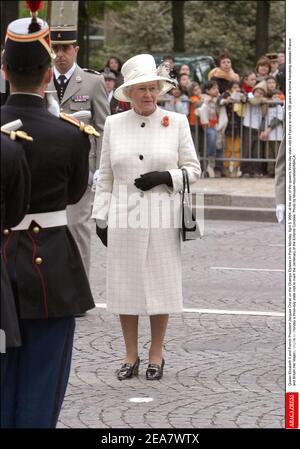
{"x":45,"y":263}
{"x":15,"y":194}
{"x":86,"y":91}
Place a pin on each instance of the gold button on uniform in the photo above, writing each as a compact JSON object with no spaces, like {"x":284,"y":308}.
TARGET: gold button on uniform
{"x":38,"y":260}
{"x":6,"y":231}
{"x":36,"y":229}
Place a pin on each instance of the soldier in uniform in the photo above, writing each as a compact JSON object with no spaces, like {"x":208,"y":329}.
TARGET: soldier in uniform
{"x":15,"y":194}
{"x":79,"y":89}
{"x":40,"y":254}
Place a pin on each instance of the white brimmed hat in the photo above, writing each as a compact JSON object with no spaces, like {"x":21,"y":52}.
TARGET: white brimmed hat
{"x":142,"y":69}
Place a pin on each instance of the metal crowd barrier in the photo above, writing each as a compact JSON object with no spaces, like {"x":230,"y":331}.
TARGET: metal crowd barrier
{"x":252,"y":149}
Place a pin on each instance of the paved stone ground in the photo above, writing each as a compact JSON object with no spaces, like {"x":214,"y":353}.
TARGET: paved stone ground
{"x":221,"y":370}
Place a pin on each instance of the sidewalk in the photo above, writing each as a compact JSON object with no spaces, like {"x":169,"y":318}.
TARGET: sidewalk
{"x":259,"y":187}
{"x":238,"y":198}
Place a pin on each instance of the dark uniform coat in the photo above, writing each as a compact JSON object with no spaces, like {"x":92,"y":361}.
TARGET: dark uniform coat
{"x":45,"y":263}
{"x":15,"y":194}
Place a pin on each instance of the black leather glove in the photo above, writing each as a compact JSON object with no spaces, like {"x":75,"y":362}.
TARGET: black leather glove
{"x":101,"y":231}
{"x":152,"y":179}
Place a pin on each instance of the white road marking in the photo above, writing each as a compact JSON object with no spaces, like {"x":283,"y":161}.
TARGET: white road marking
{"x":281,"y":245}
{"x":140,"y":399}
{"x":248,"y":269}
{"x":221,"y":312}
{"x":234,"y":312}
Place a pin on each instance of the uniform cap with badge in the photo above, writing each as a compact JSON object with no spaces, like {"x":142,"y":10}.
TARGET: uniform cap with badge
{"x":63,"y":34}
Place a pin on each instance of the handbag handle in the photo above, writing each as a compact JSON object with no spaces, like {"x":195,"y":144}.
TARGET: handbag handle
{"x":186,"y":182}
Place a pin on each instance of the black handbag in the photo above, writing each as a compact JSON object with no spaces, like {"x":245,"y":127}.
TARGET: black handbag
{"x":189,"y":227}
{"x":102,"y":233}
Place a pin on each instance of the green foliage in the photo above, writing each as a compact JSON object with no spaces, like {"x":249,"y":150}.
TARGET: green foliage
{"x":145,"y":28}
{"x":24,"y":11}
{"x":210,"y":26}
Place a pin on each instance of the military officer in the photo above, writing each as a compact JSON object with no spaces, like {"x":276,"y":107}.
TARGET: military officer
{"x":15,"y":194}
{"x":79,"y":89}
{"x":40,"y":254}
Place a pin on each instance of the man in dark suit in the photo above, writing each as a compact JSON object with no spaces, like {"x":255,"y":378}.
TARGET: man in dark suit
{"x":15,"y":194}
{"x":41,"y":256}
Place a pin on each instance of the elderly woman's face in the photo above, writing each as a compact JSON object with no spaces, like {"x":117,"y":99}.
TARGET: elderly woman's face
{"x":144,"y":97}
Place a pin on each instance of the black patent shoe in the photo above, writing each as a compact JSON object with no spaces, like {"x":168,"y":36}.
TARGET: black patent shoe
{"x":128,"y":370}
{"x":155,"y":371}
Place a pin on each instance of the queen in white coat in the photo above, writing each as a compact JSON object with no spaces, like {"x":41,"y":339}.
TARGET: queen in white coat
{"x":137,"y":209}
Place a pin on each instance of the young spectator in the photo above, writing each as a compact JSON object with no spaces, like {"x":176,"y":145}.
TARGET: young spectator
{"x":280,"y":77}
{"x":234,"y":100}
{"x":248,"y":82}
{"x":184,"y":82}
{"x":194,"y":93}
{"x":195,"y":96}
{"x":110,"y":83}
{"x":177,"y":101}
{"x":115,"y":105}
{"x":224,"y":73}
{"x":272,"y":88}
{"x":168,"y":59}
{"x":212,"y":121}
{"x":263,"y":68}
{"x":184,"y":69}
{"x":114,"y":64}
{"x":255,"y":110}
{"x":273,"y":123}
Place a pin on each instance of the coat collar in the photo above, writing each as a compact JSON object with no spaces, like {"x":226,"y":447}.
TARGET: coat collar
{"x":25,"y":100}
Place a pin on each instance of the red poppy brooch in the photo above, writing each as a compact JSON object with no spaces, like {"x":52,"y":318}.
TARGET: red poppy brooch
{"x":165,"y":121}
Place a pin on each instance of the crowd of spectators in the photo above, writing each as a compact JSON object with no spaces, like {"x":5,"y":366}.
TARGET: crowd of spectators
{"x":236,"y":120}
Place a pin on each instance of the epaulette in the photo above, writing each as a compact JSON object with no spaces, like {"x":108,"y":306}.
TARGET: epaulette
{"x":17,"y":134}
{"x":92,"y":71}
{"x":88,"y":129}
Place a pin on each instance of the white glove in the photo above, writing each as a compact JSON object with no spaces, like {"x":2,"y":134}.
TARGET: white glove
{"x":280,"y":213}
{"x":82,"y":115}
{"x":95,"y":180}
{"x":52,"y":104}
{"x":12,"y":126}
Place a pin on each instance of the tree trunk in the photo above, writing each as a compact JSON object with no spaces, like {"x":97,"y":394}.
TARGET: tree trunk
{"x":178,"y":26}
{"x":9,"y":12}
{"x":82,"y":20}
{"x":262,"y":28}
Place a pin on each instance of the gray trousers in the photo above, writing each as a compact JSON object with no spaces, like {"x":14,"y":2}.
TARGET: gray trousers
{"x":78,"y":216}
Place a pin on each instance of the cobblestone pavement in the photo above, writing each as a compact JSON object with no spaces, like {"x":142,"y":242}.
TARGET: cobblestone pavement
{"x":221,"y":370}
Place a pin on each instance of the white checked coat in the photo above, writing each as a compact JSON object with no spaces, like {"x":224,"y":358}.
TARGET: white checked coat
{"x":143,"y":253}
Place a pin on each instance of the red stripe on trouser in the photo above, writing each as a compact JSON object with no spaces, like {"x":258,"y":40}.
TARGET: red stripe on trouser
{"x":39,"y":273}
